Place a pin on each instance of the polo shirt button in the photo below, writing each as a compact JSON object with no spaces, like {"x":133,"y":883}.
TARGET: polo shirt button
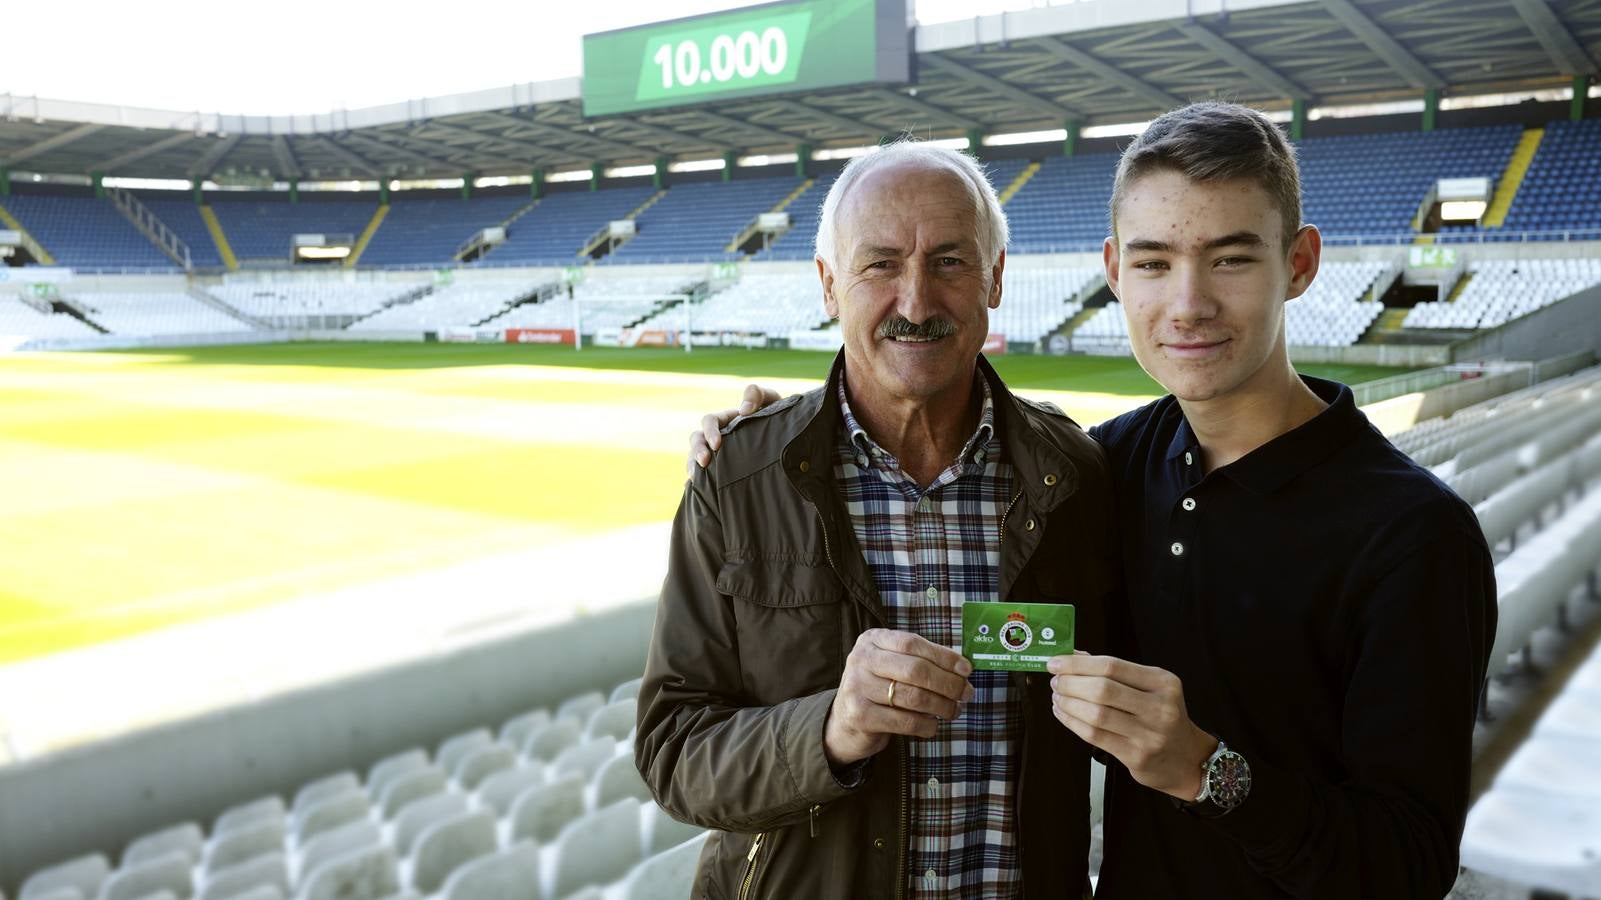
{"x":1177,"y":548}
{"x":1189,"y":460}
{"x":932,"y":593}
{"x":1189,"y":504}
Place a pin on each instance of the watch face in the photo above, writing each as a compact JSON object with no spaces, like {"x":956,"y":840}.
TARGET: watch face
{"x":1228,"y":780}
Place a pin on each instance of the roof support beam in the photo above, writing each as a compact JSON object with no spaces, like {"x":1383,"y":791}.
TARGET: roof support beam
{"x":116,"y":162}
{"x":208,"y":161}
{"x":453,"y":156}
{"x":1565,"y":52}
{"x":488,"y":138}
{"x":766,"y":134}
{"x":568,"y":136}
{"x":51,"y":143}
{"x":1383,"y":46}
{"x":348,"y":156}
{"x":1098,"y":67}
{"x":996,"y":86}
{"x":850,"y":126}
{"x":288,"y":165}
{"x":667,"y":134}
{"x":1253,"y":68}
{"x":436,"y":164}
{"x":937,"y":113}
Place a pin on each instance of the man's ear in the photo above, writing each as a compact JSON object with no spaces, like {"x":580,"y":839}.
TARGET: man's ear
{"x":1306,"y":252}
{"x":1109,"y":261}
{"x":826,"y":276}
{"x":995,"y":280}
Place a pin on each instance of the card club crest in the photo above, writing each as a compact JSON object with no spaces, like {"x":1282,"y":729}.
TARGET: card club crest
{"x":1015,"y":634}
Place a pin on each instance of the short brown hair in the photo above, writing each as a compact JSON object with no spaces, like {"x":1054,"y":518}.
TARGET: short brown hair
{"x":1216,"y":141}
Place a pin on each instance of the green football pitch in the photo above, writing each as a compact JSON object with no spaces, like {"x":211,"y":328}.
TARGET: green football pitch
{"x":144,"y":489}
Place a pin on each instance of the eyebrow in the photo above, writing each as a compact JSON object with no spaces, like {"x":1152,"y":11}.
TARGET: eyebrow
{"x":892,"y":252}
{"x":1236,"y":239}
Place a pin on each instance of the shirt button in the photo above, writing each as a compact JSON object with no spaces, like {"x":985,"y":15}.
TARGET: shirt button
{"x":1177,"y":548}
{"x":925,"y":504}
{"x":1189,"y":460}
{"x":933,"y":784}
{"x":1189,"y":504}
{"x":931,"y":875}
{"x":932,"y":593}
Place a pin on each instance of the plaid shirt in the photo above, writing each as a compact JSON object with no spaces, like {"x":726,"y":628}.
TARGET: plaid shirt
{"x":929,"y":551}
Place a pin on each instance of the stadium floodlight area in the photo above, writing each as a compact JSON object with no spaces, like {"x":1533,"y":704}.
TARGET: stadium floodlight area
{"x":1501,"y":290}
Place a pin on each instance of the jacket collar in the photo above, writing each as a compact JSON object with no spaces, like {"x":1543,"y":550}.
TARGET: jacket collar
{"x":1045,"y":473}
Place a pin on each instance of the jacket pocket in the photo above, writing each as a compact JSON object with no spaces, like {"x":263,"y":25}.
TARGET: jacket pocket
{"x":790,"y":622}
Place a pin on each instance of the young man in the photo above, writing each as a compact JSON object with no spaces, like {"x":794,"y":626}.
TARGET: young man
{"x":1291,"y":706}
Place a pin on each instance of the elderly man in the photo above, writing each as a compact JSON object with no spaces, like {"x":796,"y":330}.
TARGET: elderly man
{"x":1291,"y":706}
{"x":803,"y":693}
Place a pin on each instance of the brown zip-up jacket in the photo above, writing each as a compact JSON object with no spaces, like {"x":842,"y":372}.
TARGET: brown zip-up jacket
{"x":766,"y":593}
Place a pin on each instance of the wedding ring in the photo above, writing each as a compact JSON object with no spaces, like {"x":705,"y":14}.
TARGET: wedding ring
{"x":892,"y":693}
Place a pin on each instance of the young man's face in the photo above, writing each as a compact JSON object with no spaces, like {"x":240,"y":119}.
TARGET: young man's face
{"x":908,"y":251}
{"x":1203,"y":278}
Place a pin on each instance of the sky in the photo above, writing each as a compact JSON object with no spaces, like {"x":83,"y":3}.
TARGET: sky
{"x":261,"y":58}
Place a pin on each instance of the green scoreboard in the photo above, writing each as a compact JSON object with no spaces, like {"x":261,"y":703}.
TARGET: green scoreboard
{"x":787,"y":47}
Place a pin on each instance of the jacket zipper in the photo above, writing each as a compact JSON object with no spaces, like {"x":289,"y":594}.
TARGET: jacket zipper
{"x":1008,"y":512}
{"x":750,"y":866}
{"x":905,"y":822}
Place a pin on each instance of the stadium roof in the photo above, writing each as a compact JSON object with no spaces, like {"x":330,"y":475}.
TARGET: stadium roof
{"x":1093,"y":63}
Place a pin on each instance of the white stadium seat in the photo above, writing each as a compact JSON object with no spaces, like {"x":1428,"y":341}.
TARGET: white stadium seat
{"x":511,"y":874}
{"x":448,"y":844}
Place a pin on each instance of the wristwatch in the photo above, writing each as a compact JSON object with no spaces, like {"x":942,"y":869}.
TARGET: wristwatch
{"x":1225,"y":783}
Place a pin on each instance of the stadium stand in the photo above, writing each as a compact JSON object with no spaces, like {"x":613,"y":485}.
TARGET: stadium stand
{"x":1036,"y":300}
{"x":776,"y":303}
{"x":1560,"y":192}
{"x":429,"y":231}
{"x":18,"y":319}
{"x":86,"y":233}
{"x":292,"y":303}
{"x":1372,"y":184}
{"x":553,"y":233}
{"x":463,"y":303}
{"x":1063,"y":207}
{"x":182,"y":215}
{"x":1499,"y":291}
{"x":609,"y":298}
{"x":155,"y":313}
{"x":547,"y":806}
{"x":696,"y":221}
{"x":796,"y":243}
{"x":260,"y":229}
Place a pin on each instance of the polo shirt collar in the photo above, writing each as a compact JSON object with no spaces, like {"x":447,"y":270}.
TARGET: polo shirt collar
{"x":1275,"y":463}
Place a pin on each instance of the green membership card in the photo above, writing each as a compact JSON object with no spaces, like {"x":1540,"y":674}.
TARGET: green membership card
{"x":1015,"y":637}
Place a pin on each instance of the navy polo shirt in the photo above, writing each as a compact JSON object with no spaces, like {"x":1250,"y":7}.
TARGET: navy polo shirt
{"x":1329,"y":606}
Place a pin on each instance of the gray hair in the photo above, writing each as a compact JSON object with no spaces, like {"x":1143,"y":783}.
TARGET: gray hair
{"x":993,"y":230}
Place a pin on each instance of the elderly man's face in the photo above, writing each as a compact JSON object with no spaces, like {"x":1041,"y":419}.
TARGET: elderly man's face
{"x":911,"y":289}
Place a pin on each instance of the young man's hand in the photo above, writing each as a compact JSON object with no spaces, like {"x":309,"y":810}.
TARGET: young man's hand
{"x":704,"y":443}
